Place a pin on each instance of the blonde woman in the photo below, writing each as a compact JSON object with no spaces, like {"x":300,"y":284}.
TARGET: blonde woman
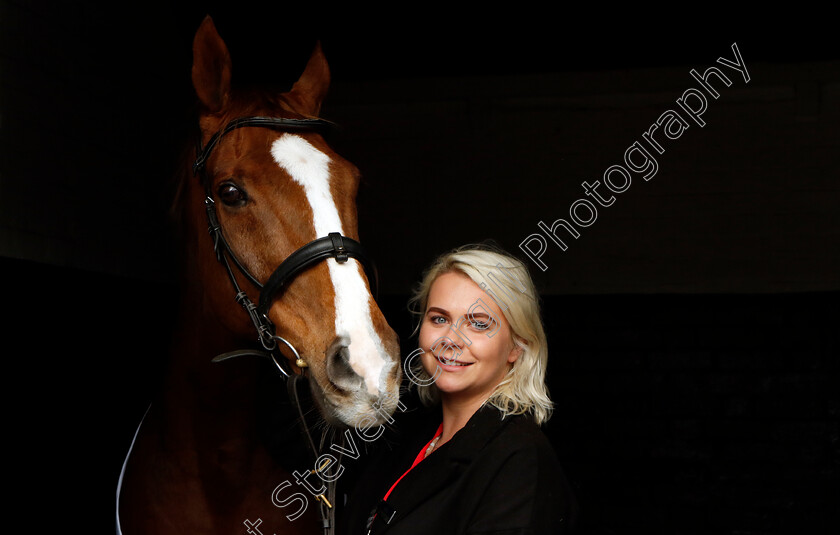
{"x":481,"y":464}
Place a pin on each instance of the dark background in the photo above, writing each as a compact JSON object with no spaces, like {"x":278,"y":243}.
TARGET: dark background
{"x":693,"y":327}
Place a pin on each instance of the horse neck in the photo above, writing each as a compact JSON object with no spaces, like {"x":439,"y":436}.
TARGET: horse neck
{"x":215,"y":401}
{"x":204,"y":433}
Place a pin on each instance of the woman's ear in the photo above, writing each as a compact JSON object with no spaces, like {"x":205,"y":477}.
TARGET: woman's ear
{"x":517,"y":350}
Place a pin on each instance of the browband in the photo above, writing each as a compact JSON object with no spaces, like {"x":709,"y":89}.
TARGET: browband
{"x":292,"y":125}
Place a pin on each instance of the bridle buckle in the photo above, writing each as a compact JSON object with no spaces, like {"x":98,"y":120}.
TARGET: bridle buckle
{"x":338,"y":246}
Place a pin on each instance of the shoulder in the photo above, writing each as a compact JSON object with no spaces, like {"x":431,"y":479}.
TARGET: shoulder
{"x":524,"y":473}
{"x":518,"y":433}
{"x":515,"y":450}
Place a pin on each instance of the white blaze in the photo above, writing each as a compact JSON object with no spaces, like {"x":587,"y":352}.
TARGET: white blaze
{"x":310,"y":168}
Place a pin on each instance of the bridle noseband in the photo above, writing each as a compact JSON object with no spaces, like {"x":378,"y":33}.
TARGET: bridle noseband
{"x":334,"y":245}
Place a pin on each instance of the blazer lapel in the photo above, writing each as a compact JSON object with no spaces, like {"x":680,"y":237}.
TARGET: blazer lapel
{"x":440,"y":469}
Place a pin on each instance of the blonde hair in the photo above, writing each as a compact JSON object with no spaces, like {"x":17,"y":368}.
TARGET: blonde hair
{"x":507,"y":282}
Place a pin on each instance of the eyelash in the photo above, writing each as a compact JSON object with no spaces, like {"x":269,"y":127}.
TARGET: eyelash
{"x":482,"y":325}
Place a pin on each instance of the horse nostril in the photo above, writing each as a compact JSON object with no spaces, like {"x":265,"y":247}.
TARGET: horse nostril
{"x":340,"y":372}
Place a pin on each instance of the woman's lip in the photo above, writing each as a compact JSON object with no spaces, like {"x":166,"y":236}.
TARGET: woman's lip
{"x":454,"y":363}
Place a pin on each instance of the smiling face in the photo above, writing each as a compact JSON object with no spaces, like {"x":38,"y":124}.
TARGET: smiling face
{"x":466,"y":339}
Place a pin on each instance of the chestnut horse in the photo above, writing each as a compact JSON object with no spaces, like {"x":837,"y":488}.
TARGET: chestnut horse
{"x":205,"y":457}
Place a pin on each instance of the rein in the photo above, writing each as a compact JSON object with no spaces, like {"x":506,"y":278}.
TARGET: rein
{"x":334,"y":245}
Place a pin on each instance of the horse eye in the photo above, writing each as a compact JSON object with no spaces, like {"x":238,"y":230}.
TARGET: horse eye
{"x":231,"y":195}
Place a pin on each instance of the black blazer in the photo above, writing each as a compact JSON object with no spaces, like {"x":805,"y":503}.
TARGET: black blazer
{"x":494,"y":476}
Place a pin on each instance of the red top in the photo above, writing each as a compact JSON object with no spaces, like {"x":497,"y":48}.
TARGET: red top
{"x":420,"y":457}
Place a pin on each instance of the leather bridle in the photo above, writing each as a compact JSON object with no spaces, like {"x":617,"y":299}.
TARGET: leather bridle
{"x":334,"y":245}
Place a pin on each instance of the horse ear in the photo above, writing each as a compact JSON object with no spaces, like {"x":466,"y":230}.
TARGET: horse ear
{"x":309,"y":91}
{"x":211,"y":66}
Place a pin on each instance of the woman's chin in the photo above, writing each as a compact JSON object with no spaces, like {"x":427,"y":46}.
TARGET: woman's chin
{"x":448,"y":385}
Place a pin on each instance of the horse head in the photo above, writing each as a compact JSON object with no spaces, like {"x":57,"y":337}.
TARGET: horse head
{"x":271,"y":188}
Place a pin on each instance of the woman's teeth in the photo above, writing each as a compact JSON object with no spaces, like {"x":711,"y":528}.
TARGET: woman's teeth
{"x":453,"y":362}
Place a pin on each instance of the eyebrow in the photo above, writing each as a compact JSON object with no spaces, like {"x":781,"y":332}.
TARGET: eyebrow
{"x":446,"y":312}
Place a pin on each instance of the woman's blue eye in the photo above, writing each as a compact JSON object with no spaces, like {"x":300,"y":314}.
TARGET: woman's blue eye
{"x":481,"y":325}
{"x":437,"y":319}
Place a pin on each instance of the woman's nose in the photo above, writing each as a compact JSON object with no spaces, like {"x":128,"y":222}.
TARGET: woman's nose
{"x":447,"y":347}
